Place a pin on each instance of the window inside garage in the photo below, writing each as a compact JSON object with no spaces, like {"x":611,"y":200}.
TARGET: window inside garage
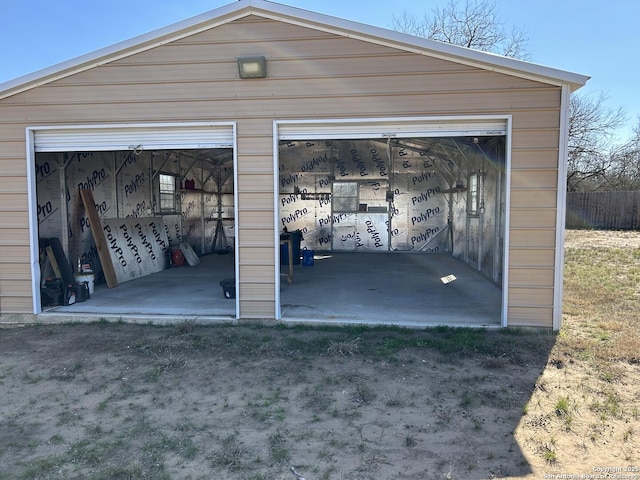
{"x":414,"y":195}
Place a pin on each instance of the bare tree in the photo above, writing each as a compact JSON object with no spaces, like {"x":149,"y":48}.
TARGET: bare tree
{"x":591,"y":152}
{"x":624,"y":173}
{"x":474,"y":24}
{"x":595,"y":161}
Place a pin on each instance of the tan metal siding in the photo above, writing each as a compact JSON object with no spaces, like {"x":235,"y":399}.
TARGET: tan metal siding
{"x":14,"y":236}
{"x":539,"y":197}
{"x":256,"y":256}
{"x":311,"y":74}
{"x":531,"y":295}
{"x":13,"y":201}
{"x":534,"y":316}
{"x":341,"y":101}
{"x":20,"y":304}
{"x":526,"y":277}
{"x":533,"y":179}
{"x":14,"y":287}
{"x":531,"y":257}
{"x":255,"y":220}
{"x":322,"y":87}
{"x":537,"y":157}
{"x":15,"y":219}
{"x":533,"y":238}
{"x":533,"y":218}
{"x":15,"y":271}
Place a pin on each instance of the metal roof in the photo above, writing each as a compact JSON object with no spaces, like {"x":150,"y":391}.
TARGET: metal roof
{"x":304,"y":18}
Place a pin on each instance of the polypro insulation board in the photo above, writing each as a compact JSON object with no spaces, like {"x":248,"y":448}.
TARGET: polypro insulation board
{"x":84,"y":170}
{"x":136,"y":246}
{"x":416,"y":219}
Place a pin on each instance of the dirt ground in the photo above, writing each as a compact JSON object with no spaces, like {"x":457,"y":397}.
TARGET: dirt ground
{"x":125,"y":401}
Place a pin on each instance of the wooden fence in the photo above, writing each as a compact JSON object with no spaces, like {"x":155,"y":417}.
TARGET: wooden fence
{"x":604,"y":210}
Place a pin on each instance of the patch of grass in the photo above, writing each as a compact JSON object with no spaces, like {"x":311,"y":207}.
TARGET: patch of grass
{"x":344,"y":347}
{"x":134,"y":471}
{"x":467,"y":400}
{"x":31,"y":379}
{"x":267,"y":407}
{"x":562,"y":407}
{"x":230,"y":454}
{"x":458,"y":341}
{"x":67,"y":417}
{"x":89,"y":452}
{"x":183,"y":445}
{"x":397,"y":400}
{"x":66,"y":374}
{"x":601,"y":288}
{"x":550,"y":456}
{"x":563,"y":410}
{"x":495,"y":362}
{"x":279,"y":451}
{"x":390,"y":346}
{"x":363,"y":394}
{"x":43,"y":468}
{"x":409,"y":441}
{"x":610,"y":407}
{"x":326,"y":474}
{"x":103,"y":322}
{"x":166,"y":362}
{"x":316,"y":345}
{"x":316,"y":400}
{"x":102,"y":406}
{"x":186,"y":326}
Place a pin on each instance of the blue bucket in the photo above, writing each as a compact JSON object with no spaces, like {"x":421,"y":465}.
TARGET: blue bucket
{"x":307,"y":258}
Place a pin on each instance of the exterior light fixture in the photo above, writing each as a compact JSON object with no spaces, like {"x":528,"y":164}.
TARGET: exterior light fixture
{"x":252,"y":67}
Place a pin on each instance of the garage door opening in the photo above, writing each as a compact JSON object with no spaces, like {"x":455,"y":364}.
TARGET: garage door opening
{"x":168,"y":218}
{"x":403,"y":230}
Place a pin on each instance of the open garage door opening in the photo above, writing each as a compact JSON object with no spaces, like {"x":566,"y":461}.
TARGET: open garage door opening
{"x":402,"y":230}
{"x":167,"y":221}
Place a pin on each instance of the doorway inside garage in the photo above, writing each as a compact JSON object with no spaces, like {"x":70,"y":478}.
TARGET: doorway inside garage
{"x":405,"y":227}
{"x":164,"y":199}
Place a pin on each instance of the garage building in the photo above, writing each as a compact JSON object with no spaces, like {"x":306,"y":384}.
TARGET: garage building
{"x":424,"y":181}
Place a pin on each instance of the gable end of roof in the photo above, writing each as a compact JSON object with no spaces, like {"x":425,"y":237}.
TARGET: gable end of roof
{"x":296,"y":16}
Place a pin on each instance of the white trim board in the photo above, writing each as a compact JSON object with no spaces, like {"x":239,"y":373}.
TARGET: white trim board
{"x":561,"y":214}
{"x":133,"y":137}
{"x":409,"y":127}
{"x":107,"y":137}
{"x":394,"y":127}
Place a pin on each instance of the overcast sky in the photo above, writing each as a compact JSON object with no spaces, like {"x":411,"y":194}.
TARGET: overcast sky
{"x":591,"y":37}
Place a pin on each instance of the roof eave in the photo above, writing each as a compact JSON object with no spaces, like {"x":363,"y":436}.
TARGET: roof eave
{"x":423,"y":46}
{"x":293,"y":15}
{"x":155,"y":38}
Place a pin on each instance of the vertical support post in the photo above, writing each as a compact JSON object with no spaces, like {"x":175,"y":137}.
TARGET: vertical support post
{"x":151,"y":204}
{"x":64,"y":208}
{"x":114,"y":183}
{"x":202,"y":222}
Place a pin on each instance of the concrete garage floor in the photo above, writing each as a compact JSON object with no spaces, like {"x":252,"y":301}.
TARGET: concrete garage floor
{"x":372,"y":288}
{"x":382,"y":288}
{"x":187,"y":292}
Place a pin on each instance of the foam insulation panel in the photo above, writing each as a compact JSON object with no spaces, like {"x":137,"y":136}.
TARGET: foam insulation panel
{"x":398,"y":205}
